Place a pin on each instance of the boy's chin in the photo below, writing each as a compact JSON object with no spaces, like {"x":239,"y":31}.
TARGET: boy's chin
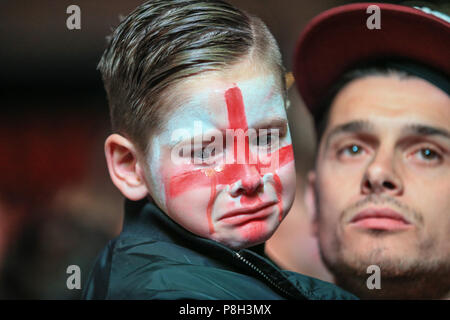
{"x":240,"y":241}
{"x":248,"y":244}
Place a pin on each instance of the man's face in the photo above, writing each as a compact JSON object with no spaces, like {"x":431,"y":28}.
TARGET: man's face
{"x":383,"y":177}
{"x":210,"y":176}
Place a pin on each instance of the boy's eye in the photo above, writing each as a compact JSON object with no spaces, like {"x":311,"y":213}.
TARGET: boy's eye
{"x":266,"y":140}
{"x":203,"y":153}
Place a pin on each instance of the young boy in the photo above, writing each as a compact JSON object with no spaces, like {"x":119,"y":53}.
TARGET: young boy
{"x":203,"y":154}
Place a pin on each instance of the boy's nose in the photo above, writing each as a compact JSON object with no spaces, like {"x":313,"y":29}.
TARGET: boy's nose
{"x":250,"y":183}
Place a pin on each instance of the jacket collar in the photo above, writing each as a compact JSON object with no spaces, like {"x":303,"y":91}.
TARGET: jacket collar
{"x":145,"y":219}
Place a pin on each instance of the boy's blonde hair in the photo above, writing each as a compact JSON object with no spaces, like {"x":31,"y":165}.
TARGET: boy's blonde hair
{"x":163,"y":42}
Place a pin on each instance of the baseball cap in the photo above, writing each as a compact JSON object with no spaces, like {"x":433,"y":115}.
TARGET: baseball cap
{"x":340,"y":38}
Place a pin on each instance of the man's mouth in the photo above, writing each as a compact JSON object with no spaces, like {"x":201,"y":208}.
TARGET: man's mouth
{"x":380,"y":219}
{"x":245,"y":214}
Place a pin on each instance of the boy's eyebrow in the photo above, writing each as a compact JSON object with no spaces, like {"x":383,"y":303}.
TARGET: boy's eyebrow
{"x":187,"y":140}
{"x":276,"y":122}
{"x":350,"y":127}
{"x":425,"y":130}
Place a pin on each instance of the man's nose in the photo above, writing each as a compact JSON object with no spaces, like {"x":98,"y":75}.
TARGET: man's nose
{"x":381,"y":176}
{"x":250,"y":183}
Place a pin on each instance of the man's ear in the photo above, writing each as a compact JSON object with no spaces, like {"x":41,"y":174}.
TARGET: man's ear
{"x":310,"y":202}
{"x":124,"y":168}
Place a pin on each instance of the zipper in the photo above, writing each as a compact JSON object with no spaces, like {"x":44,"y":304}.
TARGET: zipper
{"x":260,"y":272}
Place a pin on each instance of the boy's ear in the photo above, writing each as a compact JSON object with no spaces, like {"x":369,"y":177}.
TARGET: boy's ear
{"x":124,"y":168}
{"x":310,"y":202}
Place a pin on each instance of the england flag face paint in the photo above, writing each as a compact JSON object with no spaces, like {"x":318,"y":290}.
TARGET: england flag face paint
{"x":224,"y":164}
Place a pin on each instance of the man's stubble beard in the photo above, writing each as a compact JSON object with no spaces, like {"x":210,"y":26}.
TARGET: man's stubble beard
{"x":402,"y":277}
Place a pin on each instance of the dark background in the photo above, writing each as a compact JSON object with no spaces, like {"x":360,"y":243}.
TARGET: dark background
{"x":57,"y":204}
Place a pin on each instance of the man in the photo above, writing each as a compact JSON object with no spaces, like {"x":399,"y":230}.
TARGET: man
{"x":201,"y":150}
{"x":293,"y":246}
{"x":380,"y":190}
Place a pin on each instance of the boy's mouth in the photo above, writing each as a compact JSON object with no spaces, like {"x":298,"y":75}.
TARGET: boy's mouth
{"x":244,"y":214}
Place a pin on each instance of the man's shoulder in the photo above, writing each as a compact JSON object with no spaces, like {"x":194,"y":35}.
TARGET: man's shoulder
{"x":315,"y":289}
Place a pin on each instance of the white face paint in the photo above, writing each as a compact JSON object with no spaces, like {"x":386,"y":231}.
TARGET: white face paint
{"x":233,"y":203}
{"x":154,"y":160}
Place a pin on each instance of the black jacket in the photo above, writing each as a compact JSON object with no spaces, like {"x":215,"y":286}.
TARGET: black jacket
{"x":155,"y":258}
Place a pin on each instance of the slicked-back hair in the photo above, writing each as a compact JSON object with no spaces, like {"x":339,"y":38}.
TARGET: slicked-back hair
{"x":163,"y":42}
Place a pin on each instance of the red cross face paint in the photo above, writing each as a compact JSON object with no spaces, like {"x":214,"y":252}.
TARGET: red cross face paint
{"x":238,"y":192}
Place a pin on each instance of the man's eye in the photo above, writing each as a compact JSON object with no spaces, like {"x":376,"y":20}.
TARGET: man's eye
{"x":351,"y":150}
{"x":427,"y":154}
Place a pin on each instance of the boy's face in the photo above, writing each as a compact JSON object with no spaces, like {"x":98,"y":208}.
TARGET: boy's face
{"x":223,"y":167}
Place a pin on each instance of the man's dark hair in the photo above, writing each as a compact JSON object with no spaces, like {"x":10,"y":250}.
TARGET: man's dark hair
{"x":163,"y":42}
